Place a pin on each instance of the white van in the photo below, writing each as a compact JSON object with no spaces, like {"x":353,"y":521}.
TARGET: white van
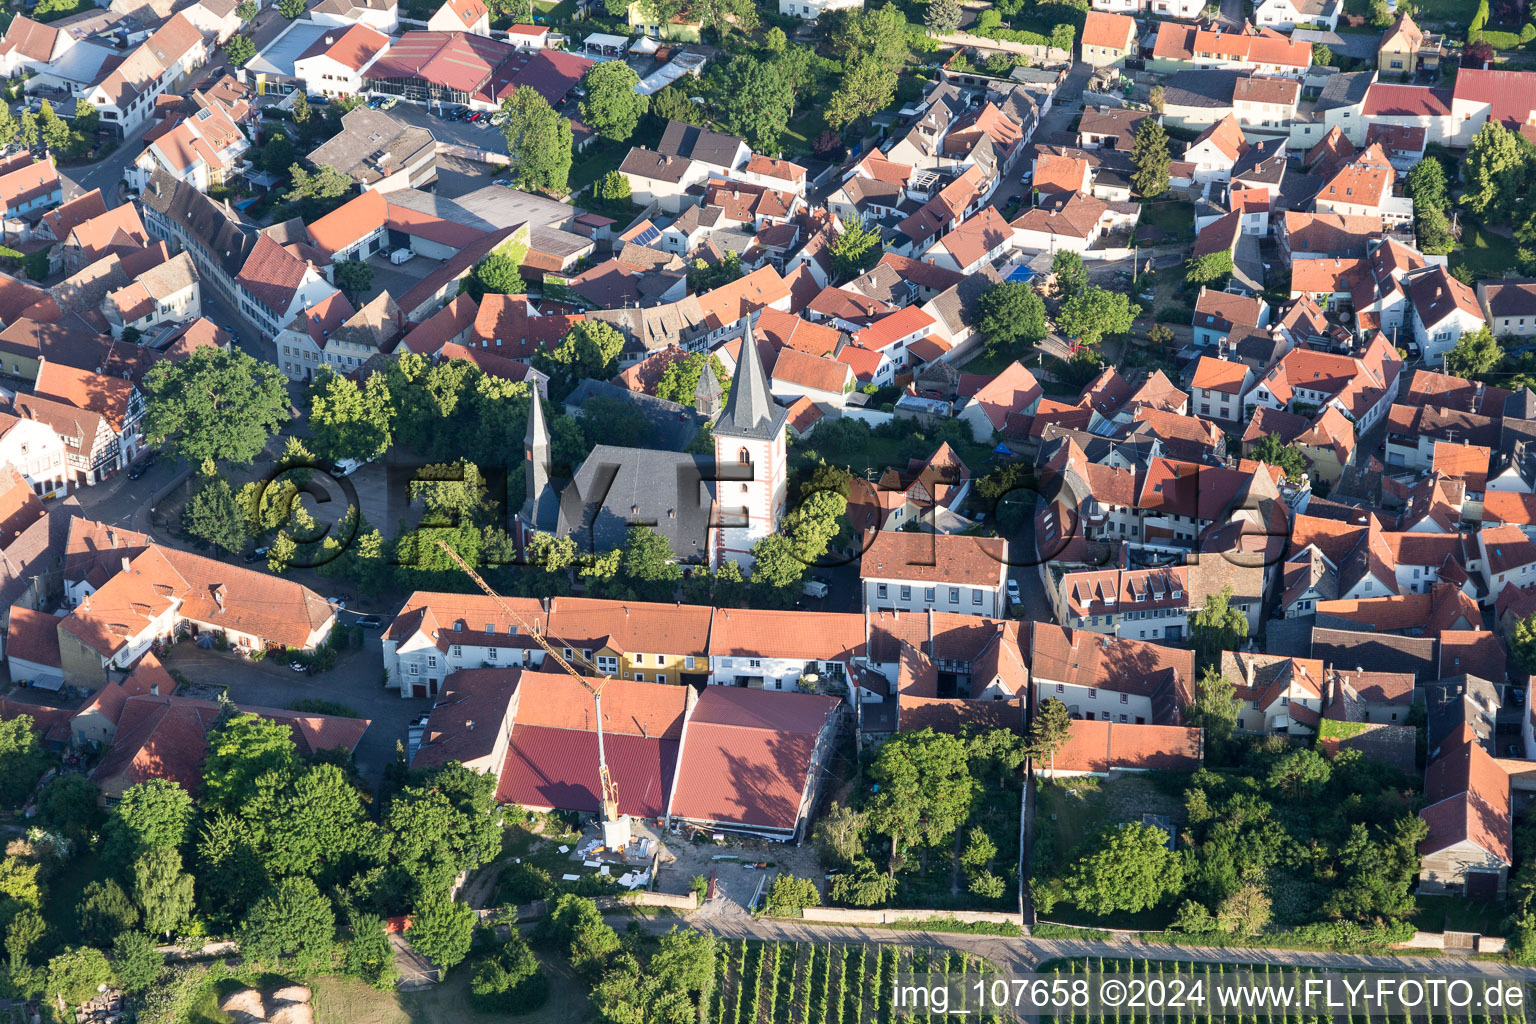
{"x":814,"y":588}
{"x":401,"y":255}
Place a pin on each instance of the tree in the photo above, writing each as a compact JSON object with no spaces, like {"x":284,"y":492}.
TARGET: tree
{"x":943,"y":16}
{"x":1217,"y":627}
{"x":87,"y":119}
{"x":1300,"y":775}
{"x":649,"y":563}
{"x":754,"y":101}
{"x":104,"y":912}
{"x":723,"y":15}
{"x":1322,"y":55}
{"x":1216,"y":705}
{"x":1427,"y":185}
{"x":52,"y":129}
{"x":369,"y":954}
{"x":212,"y":515}
{"x":868,"y":87}
{"x":680,"y":380}
{"x":839,"y":835}
{"x":241,"y":749}
{"x":8,"y":126}
{"x":1129,"y":868}
{"x":673,"y":104}
{"x":1070,"y":273}
{"x":23,"y":934}
{"x":1380,"y":14}
{"x":247,"y":10}
{"x":1094,"y":312}
{"x":441,"y":931}
{"x":1522,"y":643}
{"x":591,"y":349}
{"x":612,"y":107}
{"x":21,"y":759}
{"x":500,"y":273}
{"x":1477,"y":53}
{"x":789,"y":895}
{"x":294,"y":920}
{"x":71,"y":806}
{"x":614,"y":186}
{"x":1010,"y":312}
{"x":1050,"y":729}
{"x":979,"y":849}
{"x":509,"y":980}
{"x":1213,"y":269}
{"x":155,"y":813}
{"x":1151,"y":159}
{"x":215,"y":405}
{"x":136,"y":962}
{"x":76,"y":974}
{"x":774,"y":40}
{"x":355,"y":276}
{"x":238,"y":50}
{"x":350,"y":420}
{"x":855,"y":249}
{"x":1245,"y":912}
{"x":1379,"y":873}
{"x":1157,"y":98}
{"x":163,"y":890}
{"x":538,"y":141}
{"x":925,"y":788}
{"x":1275,"y":452}
{"x":26,"y":131}
{"x":862,"y":887}
{"x":1495,"y":171}
{"x":1434,"y":231}
{"x":291,"y":9}
{"x":1476,"y":355}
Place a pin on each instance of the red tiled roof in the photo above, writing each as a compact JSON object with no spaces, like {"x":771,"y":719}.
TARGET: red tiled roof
{"x":1511,"y":95}
{"x":747,"y":755}
{"x":33,"y":636}
{"x":1114,"y":31}
{"x":815,"y":372}
{"x":1094,"y":746}
{"x":935,"y":558}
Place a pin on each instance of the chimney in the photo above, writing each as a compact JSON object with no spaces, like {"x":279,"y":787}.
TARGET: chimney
{"x":125,"y":563}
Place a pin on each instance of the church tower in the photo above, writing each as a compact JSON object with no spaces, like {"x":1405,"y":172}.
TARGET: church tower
{"x":751,"y":461}
{"x":541,"y":505}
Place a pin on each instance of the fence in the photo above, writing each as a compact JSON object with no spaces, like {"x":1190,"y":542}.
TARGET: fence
{"x":1032,"y":50}
{"x":838,"y":915}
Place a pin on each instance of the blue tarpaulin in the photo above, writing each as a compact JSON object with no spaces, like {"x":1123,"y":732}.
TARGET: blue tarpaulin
{"x":1021,"y":273}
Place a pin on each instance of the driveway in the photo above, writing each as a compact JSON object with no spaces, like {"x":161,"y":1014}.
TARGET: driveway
{"x":356,"y":681}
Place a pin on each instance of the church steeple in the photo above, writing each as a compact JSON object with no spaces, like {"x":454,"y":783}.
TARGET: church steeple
{"x":751,"y":410}
{"x":536,"y":467}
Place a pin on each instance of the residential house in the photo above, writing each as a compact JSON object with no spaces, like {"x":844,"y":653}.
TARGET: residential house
{"x":1290,"y":14}
{"x":166,"y":293}
{"x":799,"y":374}
{"x":334,"y":63}
{"x":1140,"y":604}
{"x":919,"y":571}
{"x":1013,"y":392}
{"x":1443,"y":310}
{"x":1509,"y":306}
{"x":1406,"y":49}
{"x":470,"y":16}
{"x":31,"y":46}
{"x":1469,"y":848}
{"x":1109,"y":679}
{"x":27,"y":187}
{"x":1105,"y":749}
{"x":1217,"y":388}
{"x":1277,"y":694}
{"x":1107,"y":39}
{"x":164,"y":592}
{"x":1361,"y":386}
{"x":118,"y":402}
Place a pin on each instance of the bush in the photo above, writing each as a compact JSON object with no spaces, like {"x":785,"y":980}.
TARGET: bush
{"x":790,"y":895}
{"x":509,"y":980}
{"x":1175,"y":314}
{"x":1502,"y":40}
{"x":524,"y":883}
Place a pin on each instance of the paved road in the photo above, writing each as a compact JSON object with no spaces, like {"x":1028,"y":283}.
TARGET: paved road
{"x":1026,"y":954}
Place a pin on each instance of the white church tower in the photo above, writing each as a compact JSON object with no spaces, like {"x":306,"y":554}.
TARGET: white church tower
{"x":751,"y":462}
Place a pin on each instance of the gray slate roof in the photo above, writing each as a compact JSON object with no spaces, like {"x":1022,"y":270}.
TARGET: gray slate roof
{"x":751,"y":412}
{"x":664,"y":490}
{"x":672,"y":425}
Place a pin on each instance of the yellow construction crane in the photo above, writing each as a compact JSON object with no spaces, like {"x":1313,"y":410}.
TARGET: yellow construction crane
{"x":616,"y":834}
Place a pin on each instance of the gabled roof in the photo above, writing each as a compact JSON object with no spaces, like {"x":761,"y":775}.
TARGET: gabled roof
{"x":935,"y":558}
{"x":1114,"y":31}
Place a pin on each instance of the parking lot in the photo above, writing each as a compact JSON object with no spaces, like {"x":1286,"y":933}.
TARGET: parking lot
{"x":478,"y":135}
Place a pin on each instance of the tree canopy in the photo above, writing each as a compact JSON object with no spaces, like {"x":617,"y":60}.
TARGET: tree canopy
{"x":538,"y":141}
{"x":215,"y":405}
{"x":612,"y":107}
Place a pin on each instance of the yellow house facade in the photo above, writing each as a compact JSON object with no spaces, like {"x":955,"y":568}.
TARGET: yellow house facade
{"x":649,"y":643}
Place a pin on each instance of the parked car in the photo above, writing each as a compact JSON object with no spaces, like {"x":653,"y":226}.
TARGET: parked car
{"x":376,"y":103}
{"x":814,"y":588}
{"x":503,"y":181}
{"x":1013,"y":591}
{"x":138,"y":470}
{"x":339,"y":601}
{"x":370,"y":622}
{"x":476,"y":116}
{"x":389,"y":102}
{"x":401,"y":255}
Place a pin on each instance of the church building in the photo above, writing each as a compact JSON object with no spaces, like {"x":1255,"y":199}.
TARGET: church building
{"x":710,"y":508}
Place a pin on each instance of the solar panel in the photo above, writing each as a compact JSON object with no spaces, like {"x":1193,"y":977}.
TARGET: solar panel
{"x":649,"y":235}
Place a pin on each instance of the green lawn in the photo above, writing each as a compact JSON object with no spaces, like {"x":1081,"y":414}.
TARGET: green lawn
{"x":1452,"y":913}
{"x":1175,"y":217}
{"x":1484,"y":253}
{"x":340,"y":1000}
